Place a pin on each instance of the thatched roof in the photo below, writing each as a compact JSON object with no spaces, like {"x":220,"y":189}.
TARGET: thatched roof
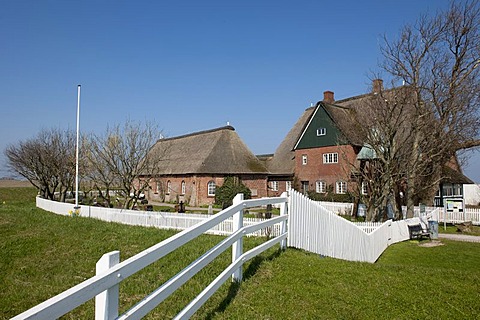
{"x":283,"y":161}
{"x":217,"y":151}
{"x":453,"y":176}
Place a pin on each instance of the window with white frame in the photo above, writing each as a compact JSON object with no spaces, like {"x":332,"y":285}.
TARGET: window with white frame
{"x":341,"y":187}
{"x":304,"y":159}
{"x":169,"y":186}
{"x":183,"y":187}
{"x":321,"y":187}
{"x":321,"y":132}
{"x":364,"y":188}
{"x":211,"y":188}
{"x":330,"y":157}
{"x":274,"y":185}
{"x":288,"y":185}
{"x":158,"y":187}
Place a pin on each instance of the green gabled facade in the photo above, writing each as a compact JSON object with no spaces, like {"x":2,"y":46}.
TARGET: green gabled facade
{"x":320,"y":131}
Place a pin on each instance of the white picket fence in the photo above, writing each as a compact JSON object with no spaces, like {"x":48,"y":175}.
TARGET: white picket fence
{"x":314,"y":228}
{"x":104,"y":286}
{"x":311,"y":227}
{"x":340,"y":208}
{"x":468,"y":214}
{"x":163,"y":220}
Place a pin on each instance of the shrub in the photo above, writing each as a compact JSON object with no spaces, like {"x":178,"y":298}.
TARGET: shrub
{"x":231,"y":187}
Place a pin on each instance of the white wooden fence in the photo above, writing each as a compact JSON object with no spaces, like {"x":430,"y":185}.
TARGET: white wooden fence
{"x":163,"y":220}
{"x":340,"y":208}
{"x":104,"y":286}
{"x":313,"y":228}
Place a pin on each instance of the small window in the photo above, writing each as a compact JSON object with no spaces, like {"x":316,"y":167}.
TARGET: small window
{"x":183,"y":187}
{"x":274,"y":185}
{"x":321,"y":132}
{"x":321,"y":187}
{"x":158,"y":187}
{"x":304,"y":159}
{"x":330,"y":158}
{"x":169,"y":186}
{"x":305,"y":187}
{"x":288,"y":185}
{"x":341,"y":187}
{"x":211,"y":188}
{"x":364,"y":188}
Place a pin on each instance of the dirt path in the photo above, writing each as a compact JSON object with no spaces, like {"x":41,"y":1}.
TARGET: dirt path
{"x":459,"y":237}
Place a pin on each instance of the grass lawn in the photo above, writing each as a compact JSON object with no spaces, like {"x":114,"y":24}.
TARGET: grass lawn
{"x":42,"y":254}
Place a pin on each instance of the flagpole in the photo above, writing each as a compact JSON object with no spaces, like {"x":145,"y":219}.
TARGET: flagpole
{"x":77,"y":147}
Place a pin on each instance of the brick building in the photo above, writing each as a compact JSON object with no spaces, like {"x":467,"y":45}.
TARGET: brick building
{"x":193,"y":165}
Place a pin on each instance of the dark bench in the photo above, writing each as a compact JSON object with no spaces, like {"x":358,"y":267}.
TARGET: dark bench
{"x":417,"y":231}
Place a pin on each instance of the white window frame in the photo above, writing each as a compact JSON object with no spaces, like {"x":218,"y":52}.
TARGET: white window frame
{"x":169,"y":186}
{"x":183,"y":187}
{"x":341,"y":187}
{"x":321,"y":132}
{"x":329,"y":158}
{"x":274,"y":185}
{"x":304,"y":159}
{"x":321,"y":186}
{"x":288,"y":185}
{"x":364,"y":188}
{"x":211,"y":188}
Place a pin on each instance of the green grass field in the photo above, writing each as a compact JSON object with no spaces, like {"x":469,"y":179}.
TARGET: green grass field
{"x":42,"y":254}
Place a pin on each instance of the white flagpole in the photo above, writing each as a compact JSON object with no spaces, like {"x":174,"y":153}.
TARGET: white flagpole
{"x":78,"y":139}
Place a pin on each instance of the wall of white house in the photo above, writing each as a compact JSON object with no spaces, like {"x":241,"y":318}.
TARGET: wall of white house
{"x":471,"y":194}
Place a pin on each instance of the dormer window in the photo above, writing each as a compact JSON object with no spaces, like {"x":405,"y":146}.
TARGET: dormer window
{"x":321,"y":132}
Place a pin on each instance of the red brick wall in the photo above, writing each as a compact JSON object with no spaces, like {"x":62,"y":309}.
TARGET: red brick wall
{"x":196,"y":188}
{"x":316,"y":170}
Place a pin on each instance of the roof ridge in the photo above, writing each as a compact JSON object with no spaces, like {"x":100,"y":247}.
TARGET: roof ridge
{"x":198,"y":133}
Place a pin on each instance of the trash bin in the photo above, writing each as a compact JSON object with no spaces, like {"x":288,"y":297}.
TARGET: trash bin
{"x":433,"y":229}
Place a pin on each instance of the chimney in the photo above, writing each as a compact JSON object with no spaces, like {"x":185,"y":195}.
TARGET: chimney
{"x":377,"y":86}
{"x":328,"y":97}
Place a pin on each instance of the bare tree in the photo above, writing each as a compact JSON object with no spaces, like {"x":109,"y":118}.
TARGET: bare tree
{"x":382,"y":120}
{"x":118,"y":158}
{"x":47,"y":161}
{"x":438,"y":59}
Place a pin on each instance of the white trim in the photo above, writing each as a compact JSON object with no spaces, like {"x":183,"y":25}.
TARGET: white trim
{"x":308,"y":125}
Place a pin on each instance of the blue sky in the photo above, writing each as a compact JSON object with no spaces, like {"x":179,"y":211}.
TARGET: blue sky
{"x":188,"y":65}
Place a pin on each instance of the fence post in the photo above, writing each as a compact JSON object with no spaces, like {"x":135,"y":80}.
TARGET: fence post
{"x":237,"y":247}
{"x":283,"y":224}
{"x":106,"y":303}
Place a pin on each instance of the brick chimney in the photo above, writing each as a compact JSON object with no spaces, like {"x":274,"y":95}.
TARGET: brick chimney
{"x":328,"y":97}
{"x":377,"y":85}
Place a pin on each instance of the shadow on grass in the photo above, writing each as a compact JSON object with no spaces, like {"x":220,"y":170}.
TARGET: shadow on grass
{"x":252,"y":269}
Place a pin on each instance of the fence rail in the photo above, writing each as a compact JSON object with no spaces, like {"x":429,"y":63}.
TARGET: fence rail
{"x":311,"y":226}
{"x":163,"y":220}
{"x":110,"y":272}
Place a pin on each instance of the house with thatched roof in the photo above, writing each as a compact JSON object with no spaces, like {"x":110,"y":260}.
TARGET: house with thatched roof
{"x":193,"y":165}
{"x":322,"y":151}
{"x":314,"y":154}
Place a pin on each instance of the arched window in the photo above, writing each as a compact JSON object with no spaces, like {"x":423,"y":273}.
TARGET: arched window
{"x":183,"y":187}
{"x":211,"y":188}
{"x":169,"y":186}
